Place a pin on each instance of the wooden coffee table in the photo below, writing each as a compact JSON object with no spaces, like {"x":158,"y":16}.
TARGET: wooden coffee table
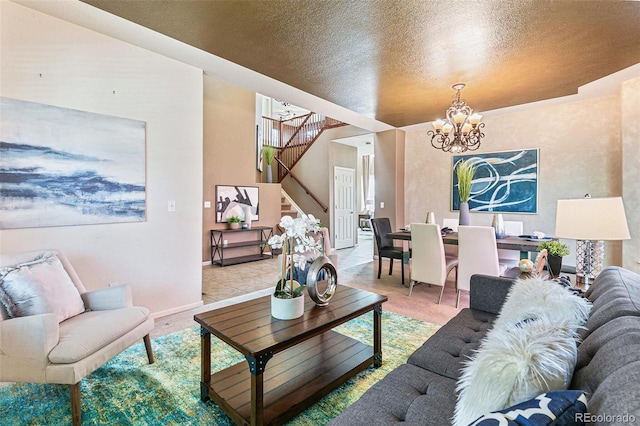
{"x":306,"y":358}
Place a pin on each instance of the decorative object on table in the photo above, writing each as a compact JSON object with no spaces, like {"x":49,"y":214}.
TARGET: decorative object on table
{"x":505,"y":182}
{"x":247,"y":217}
{"x":231,"y":200}
{"x":298,"y":247}
{"x":498,"y":225}
{"x":460,"y":131}
{"x":526,"y":266}
{"x":233,"y":222}
{"x":322,"y":271}
{"x":555,"y":252}
{"x":465,"y":171}
{"x":60,"y":167}
{"x":591,"y":221}
{"x":541,"y":260}
{"x":431,"y":218}
{"x":269,"y":152}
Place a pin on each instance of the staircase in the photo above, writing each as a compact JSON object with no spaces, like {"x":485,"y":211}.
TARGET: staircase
{"x":293,"y":137}
{"x":286,"y":209}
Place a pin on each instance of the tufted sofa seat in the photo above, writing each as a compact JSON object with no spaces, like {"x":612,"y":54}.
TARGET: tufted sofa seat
{"x":423,"y":390}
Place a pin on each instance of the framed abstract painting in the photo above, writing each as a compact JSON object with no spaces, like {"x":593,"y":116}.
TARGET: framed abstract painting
{"x":504,"y":182}
{"x":240,"y":201}
{"x":61,"y":166}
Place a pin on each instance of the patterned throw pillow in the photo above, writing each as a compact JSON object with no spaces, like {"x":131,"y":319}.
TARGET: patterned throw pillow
{"x":553,"y":408}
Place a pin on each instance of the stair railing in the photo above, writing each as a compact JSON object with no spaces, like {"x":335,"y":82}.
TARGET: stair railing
{"x":292,"y":138}
{"x":306,"y":189}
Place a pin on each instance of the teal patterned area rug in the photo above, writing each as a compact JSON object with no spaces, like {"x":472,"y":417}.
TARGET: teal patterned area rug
{"x":129,"y":391}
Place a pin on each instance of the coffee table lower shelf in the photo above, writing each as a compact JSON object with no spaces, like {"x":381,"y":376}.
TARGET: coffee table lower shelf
{"x":293,"y":379}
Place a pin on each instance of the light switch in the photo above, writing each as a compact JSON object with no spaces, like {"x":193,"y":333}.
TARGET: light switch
{"x":171,"y":205}
{"x":382,"y":204}
{"x":207,"y":204}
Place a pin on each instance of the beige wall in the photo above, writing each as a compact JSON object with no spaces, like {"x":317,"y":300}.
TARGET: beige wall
{"x":50,"y":61}
{"x":630,"y":126}
{"x":580,"y":152}
{"x":390,"y":178}
{"x":229,"y":154}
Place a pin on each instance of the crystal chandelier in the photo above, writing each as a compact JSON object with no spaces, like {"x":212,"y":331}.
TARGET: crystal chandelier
{"x":460,"y":131}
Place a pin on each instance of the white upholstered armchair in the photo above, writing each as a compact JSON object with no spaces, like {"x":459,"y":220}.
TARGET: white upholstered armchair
{"x":54,"y":331}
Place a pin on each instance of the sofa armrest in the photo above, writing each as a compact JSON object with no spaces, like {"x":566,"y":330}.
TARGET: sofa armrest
{"x":105,"y":299}
{"x":488,"y":293}
{"x":25,"y":343}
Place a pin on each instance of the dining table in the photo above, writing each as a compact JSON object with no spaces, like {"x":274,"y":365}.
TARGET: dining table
{"x":511,"y":242}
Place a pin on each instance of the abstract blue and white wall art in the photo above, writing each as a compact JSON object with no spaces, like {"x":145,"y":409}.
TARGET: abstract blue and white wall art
{"x":504,"y":182}
{"x":61,"y":167}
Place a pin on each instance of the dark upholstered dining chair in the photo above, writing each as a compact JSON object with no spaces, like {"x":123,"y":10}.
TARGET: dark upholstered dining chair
{"x":381,"y":227}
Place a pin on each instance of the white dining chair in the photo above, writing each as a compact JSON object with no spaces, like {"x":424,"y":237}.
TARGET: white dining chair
{"x":429,"y":265}
{"x":477,"y":254}
{"x":511,"y":258}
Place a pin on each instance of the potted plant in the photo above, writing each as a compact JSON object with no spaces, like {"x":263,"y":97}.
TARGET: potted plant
{"x":269,"y":153}
{"x":233,"y":222}
{"x":555,"y":251}
{"x":464,"y":172}
{"x":298,"y":247}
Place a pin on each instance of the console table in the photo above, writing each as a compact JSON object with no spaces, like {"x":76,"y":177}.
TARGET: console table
{"x":256,"y":236}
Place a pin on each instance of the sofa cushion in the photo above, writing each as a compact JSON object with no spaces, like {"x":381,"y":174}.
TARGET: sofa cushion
{"x":38,"y":287}
{"x":85,"y":334}
{"x":615,"y":293}
{"x":454,"y":343}
{"x":514,"y":364}
{"x":552,"y":408}
{"x":611,"y":348}
{"x":407,"y":395}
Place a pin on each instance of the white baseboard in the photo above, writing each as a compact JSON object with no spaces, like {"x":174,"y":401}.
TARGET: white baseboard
{"x":177,"y":309}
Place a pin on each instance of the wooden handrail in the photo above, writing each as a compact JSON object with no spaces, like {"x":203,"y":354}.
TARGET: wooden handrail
{"x":307,"y":190}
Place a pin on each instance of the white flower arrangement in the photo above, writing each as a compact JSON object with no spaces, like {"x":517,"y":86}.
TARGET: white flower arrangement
{"x":299,"y":245}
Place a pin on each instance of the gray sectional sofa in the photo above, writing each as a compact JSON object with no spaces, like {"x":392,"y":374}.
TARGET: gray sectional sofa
{"x":423,"y":390}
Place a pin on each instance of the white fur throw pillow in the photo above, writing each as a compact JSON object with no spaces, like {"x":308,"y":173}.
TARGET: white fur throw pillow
{"x":514,"y":364}
{"x":540,"y":298}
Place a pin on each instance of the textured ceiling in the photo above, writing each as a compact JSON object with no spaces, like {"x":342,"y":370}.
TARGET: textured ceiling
{"x":396,"y":60}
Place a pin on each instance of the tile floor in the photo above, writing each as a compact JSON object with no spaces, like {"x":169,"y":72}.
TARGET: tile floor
{"x":219,"y":283}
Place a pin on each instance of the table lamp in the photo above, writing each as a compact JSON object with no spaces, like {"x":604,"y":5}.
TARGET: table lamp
{"x":591,"y":221}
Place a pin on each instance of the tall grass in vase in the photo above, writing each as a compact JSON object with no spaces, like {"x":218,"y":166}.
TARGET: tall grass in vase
{"x":465,"y":172}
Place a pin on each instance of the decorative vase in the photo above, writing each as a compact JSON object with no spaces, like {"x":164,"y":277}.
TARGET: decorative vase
{"x":431,"y":217}
{"x":287,"y":309}
{"x":498,"y":225}
{"x":269,"y":174}
{"x":555,"y":265}
{"x":322,"y":270}
{"x":247,"y":216}
{"x":464,"y":214}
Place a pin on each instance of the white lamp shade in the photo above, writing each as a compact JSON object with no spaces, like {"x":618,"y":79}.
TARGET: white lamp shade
{"x":592,"y":219}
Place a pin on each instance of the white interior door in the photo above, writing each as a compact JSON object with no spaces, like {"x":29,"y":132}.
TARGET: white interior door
{"x":344,"y":196}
